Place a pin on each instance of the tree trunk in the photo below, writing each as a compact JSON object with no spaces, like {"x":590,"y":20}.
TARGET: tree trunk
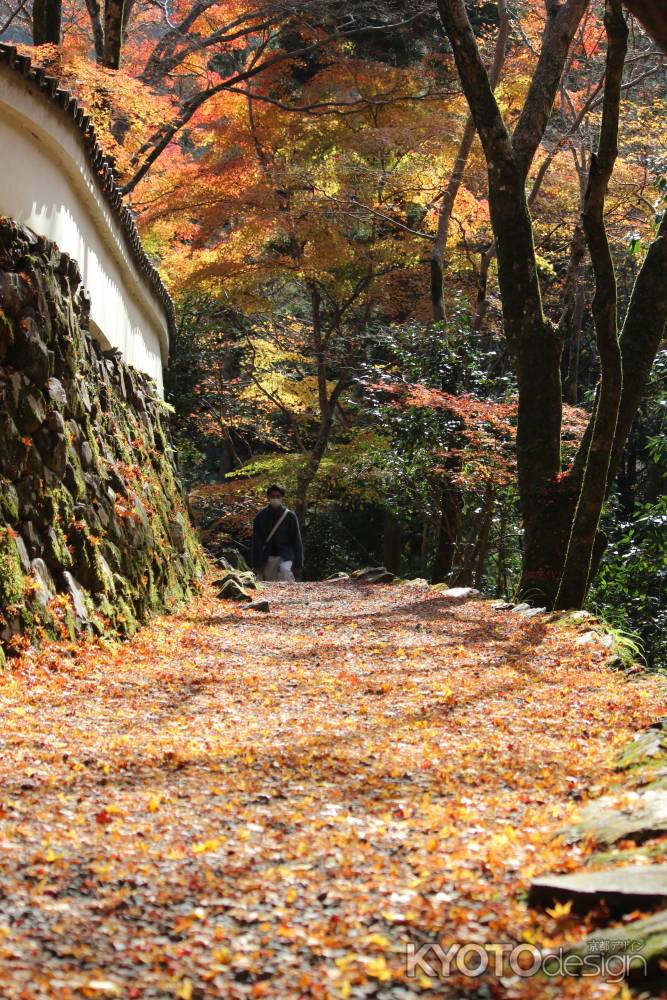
{"x":576,"y":327}
{"x":577,"y":567}
{"x":449,"y":531}
{"x":392,"y":539}
{"x":536,"y":349}
{"x":501,"y":554}
{"x":482,"y":302}
{"x":444,"y":220}
{"x":47,"y":22}
{"x":483,"y":539}
{"x":328,"y":406}
{"x":652,"y":14}
{"x":456,"y":179}
{"x":114,"y":24}
{"x":93,"y":8}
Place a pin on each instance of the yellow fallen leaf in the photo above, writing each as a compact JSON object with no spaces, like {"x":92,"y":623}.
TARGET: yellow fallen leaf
{"x":378,"y":969}
{"x":560,"y":910}
{"x":208,"y":845}
{"x":184,"y":992}
{"x":379,"y":940}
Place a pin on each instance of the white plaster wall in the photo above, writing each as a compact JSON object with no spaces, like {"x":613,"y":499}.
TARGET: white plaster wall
{"x":45,"y":183}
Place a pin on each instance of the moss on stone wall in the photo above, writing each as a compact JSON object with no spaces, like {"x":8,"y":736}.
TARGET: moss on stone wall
{"x":94,"y":531}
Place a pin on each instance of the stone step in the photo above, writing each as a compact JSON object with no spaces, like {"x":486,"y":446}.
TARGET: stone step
{"x":642,"y":943}
{"x":622,"y":889}
{"x":642,"y":816}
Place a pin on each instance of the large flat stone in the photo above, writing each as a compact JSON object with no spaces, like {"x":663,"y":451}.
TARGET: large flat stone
{"x":644,"y":817}
{"x":622,"y":889}
{"x":643,"y":943}
{"x":647,"y":747}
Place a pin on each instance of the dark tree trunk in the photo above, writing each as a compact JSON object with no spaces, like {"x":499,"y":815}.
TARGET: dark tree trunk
{"x":536,"y":349}
{"x":47,"y":22}
{"x":392,"y":542}
{"x":501,"y":554}
{"x":481,"y":301}
{"x":114,"y":26}
{"x":577,"y":568}
{"x":456,"y":179}
{"x":652,"y":14}
{"x":483,"y":539}
{"x":449,"y":531}
{"x":327,"y":403}
{"x":627,"y":480}
{"x":94,"y":13}
{"x":575,"y":329}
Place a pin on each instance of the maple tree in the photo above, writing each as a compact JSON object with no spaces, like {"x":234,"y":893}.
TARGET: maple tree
{"x":560,"y":512}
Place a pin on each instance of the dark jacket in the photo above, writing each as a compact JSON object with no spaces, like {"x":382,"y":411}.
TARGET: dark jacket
{"x":285,"y":543}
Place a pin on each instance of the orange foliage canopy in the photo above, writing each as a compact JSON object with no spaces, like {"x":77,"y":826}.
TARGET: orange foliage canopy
{"x":487,"y":429}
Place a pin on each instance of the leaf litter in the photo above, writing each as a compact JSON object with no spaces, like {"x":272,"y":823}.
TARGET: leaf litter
{"x":233,"y":807}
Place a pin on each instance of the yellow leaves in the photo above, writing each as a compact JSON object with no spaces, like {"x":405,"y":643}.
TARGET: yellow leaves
{"x":298,"y":395}
{"x":378,"y":941}
{"x":445,"y":694}
{"x":425,"y":982}
{"x":209,"y":846}
{"x":102,"y":869}
{"x":185,"y":990}
{"x":560,"y":911}
{"x":377,"y":968}
{"x":154,"y":803}
{"x":267,"y":354}
{"x":292,"y":895}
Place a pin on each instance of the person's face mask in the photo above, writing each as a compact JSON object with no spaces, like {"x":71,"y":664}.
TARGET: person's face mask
{"x":275,"y":502}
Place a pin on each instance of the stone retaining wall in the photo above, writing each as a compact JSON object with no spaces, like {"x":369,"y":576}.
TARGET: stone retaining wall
{"x":94,"y":532}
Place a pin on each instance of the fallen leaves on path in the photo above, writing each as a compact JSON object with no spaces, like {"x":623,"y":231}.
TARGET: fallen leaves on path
{"x":235,"y":806}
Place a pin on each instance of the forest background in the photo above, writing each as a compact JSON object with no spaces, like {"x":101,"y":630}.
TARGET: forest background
{"x":309,"y":181}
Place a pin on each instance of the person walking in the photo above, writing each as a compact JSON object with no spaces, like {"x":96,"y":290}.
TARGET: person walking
{"x":277,"y":548}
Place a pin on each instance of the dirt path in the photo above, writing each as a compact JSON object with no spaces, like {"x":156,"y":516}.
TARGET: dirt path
{"x":239,"y":805}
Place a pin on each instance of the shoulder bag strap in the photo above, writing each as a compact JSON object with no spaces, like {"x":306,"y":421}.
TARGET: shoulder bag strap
{"x":276,"y":526}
